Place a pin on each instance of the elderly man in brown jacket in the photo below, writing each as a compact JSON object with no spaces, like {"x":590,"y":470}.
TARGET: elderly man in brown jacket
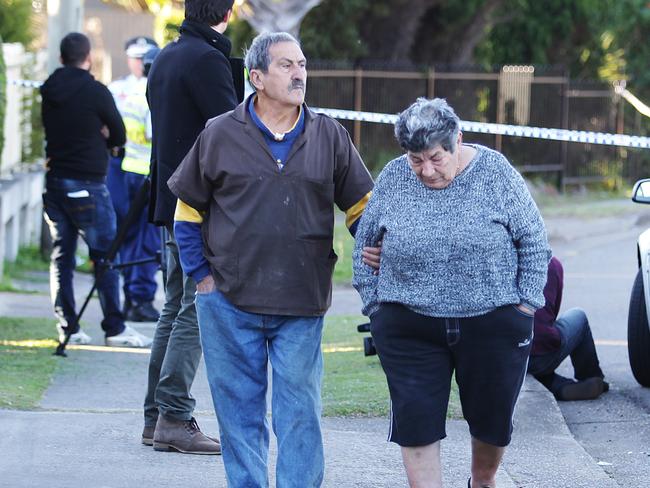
{"x":254,"y":224}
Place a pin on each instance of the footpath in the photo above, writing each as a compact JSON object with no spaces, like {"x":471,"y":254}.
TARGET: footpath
{"x":85,"y":432}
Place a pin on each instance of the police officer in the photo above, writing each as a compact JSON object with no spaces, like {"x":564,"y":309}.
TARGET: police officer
{"x":127,"y":170}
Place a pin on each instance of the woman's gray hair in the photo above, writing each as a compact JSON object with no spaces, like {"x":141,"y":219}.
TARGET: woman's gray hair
{"x":427,"y":123}
{"x":257,"y":55}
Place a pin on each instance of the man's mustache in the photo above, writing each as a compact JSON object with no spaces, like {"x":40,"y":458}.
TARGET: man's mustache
{"x":298,"y":85}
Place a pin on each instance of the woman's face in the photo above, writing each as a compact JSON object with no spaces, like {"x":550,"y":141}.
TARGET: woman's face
{"x":435,"y":167}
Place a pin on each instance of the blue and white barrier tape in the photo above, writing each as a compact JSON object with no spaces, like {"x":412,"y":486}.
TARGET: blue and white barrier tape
{"x":26,"y":83}
{"x":585,"y":137}
{"x":508,"y":130}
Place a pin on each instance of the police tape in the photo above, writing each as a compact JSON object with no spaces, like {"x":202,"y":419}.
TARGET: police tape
{"x":26,"y":83}
{"x":585,"y":137}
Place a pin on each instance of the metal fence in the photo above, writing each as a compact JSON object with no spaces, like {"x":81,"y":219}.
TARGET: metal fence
{"x":520,"y":95}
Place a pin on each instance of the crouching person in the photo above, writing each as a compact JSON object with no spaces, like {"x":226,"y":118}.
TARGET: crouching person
{"x":558,"y":336}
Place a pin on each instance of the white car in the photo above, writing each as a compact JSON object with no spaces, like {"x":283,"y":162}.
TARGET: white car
{"x":638,"y":330}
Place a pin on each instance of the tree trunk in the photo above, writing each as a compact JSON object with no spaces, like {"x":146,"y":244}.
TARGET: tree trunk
{"x":393,"y":37}
{"x":276,"y":16}
{"x":475,"y":31}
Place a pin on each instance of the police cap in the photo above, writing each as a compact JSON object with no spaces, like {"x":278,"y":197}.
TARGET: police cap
{"x":138,"y":46}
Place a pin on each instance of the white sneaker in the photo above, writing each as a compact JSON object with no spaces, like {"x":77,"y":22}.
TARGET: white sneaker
{"x":78,"y":338}
{"x":129,"y":338}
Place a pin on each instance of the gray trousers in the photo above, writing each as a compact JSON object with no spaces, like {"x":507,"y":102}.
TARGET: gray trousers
{"x":176,"y":348}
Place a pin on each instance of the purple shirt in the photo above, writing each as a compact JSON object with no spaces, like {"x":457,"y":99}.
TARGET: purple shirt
{"x":547,"y":338}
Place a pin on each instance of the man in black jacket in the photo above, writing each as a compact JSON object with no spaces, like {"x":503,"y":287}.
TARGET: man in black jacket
{"x":189,"y":83}
{"x":81,"y":122}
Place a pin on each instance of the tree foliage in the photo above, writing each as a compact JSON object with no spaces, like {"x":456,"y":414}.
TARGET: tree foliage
{"x":3,"y":101}
{"x":604,"y":39}
{"x":16,"y":21}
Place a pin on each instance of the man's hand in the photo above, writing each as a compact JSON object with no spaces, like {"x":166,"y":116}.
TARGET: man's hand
{"x":206,"y":285}
{"x":105,"y":132}
{"x":525,"y":309}
{"x":372,"y":257}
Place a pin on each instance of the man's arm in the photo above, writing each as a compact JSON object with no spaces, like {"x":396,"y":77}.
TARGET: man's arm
{"x":187,"y":231}
{"x":112,"y":119}
{"x":352,"y":181}
{"x":194,"y":191}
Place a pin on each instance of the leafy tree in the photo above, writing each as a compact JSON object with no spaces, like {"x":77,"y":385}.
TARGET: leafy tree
{"x":16,"y":21}
{"x":3,"y":101}
{"x":331,"y":30}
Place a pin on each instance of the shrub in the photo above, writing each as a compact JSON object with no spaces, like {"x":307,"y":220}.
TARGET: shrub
{"x":3,"y":89}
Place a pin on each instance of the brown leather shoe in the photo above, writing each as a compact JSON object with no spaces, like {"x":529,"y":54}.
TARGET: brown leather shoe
{"x":147,"y":435}
{"x":183,"y":436}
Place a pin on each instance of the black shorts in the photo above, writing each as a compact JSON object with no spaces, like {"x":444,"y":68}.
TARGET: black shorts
{"x":489,"y":354}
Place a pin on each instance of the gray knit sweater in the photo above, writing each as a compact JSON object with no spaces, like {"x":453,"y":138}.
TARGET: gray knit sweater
{"x":460,"y":251}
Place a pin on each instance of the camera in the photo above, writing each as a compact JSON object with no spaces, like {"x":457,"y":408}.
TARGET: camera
{"x":368,"y":343}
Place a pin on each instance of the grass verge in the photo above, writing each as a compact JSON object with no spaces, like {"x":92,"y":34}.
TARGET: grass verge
{"x":26,"y":361}
{"x":355,"y":385}
{"x":343,"y":246}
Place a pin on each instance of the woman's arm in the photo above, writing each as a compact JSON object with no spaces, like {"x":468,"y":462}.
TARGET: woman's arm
{"x":529,"y":236}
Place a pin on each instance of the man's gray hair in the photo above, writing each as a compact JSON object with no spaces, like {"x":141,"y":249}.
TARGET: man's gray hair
{"x":427,"y":123}
{"x":257,"y":55}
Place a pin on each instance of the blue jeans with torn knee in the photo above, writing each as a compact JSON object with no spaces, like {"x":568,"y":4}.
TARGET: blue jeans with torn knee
{"x":237,"y":347}
{"x":83,"y":208}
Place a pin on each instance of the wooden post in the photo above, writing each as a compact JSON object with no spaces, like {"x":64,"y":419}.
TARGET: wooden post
{"x":564,"y":148}
{"x":431,"y":83}
{"x":498,"y":138}
{"x":358,"y":96}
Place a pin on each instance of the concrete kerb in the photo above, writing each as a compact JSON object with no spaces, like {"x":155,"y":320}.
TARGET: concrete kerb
{"x":543,"y":452}
{"x":74,"y":416}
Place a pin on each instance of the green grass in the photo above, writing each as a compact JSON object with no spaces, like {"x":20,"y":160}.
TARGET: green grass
{"x":355,"y":385}
{"x":343,"y":246}
{"x":26,"y":361}
{"x":30,"y":266}
{"x":29,"y":259}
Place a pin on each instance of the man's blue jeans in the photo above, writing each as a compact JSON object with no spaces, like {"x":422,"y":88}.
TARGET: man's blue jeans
{"x":576,"y":342}
{"x":237,"y":346}
{"x":73,"y":208}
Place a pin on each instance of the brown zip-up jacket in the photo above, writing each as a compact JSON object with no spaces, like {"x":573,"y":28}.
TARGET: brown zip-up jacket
{"x":268,"y":233}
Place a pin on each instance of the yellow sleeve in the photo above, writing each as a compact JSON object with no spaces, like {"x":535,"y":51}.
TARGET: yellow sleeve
{"x":185,"y":213}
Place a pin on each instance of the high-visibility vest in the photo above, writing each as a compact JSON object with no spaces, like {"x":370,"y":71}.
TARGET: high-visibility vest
{"x":130,"y":98}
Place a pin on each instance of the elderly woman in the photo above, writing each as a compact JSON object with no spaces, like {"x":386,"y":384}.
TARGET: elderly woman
{"x":463,"y":266}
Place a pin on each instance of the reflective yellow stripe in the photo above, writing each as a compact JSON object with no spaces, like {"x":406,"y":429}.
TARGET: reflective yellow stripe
{"x":133,"y":165}
{"x":355,"y":211}
{"x":185,"y":213}
{"x":135,"y":131}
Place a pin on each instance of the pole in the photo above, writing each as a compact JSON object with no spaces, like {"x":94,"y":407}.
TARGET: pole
{"x":63,"y":17}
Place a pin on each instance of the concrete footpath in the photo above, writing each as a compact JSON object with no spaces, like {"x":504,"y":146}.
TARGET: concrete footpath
{"x":86,"y":430}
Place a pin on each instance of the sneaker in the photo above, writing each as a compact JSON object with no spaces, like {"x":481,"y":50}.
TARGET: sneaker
{"x":78,"y":338}
{"x":129,"y":338}
{"x":142,"y":312}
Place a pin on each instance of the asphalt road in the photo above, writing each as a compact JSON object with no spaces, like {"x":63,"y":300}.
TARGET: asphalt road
{"x":615,"y":429}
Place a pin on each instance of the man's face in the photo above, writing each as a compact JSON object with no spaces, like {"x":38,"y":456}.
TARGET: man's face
{"x":136,"y":67}
{"x":286,"y":79}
